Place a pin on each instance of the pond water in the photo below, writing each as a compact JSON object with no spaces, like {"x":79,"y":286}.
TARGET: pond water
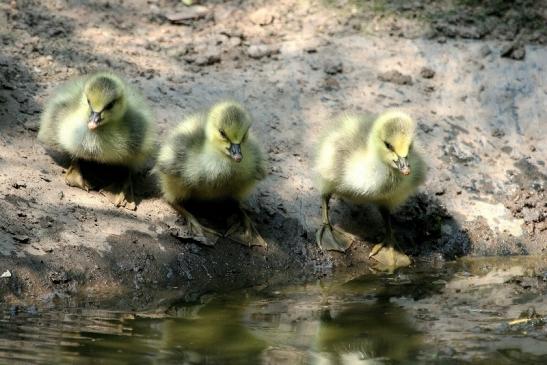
{"x":479,"y":311}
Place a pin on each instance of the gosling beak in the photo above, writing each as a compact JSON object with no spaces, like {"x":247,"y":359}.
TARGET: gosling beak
{"x":403,"y":166}
{"x":94,"y":120}
{"x":235,"y":152}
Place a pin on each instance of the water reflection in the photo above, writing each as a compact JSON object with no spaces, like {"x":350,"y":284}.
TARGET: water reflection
{"x":459,"y":314}
{"x":336,"y":324}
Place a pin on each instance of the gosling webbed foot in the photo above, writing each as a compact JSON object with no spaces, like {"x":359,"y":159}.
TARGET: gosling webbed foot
{"x":121,"y":196}
{"x":333,"y":239}
{"x":74,"y":178}
{"x":245,"y":232}
{"x":203,"y":235}
{"x":388,"y":258}
{"x":199,"y":233}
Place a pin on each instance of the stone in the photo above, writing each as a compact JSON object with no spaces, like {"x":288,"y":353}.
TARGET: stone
{"x":498,"y":133}
{"x":333,"y":67}
{"x":258,"y":51}
{"x":6,"y":274}
{"x":427,"y":73}
{"x":484,"y":51}
{"x":514,"y":51}
{"x":189,"y":14}
{"x":531,"y":215}
{"x":395,"y":77}
{"x":262,"y":17}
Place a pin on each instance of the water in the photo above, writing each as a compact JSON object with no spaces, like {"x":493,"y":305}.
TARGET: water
{"x":457,"y":313}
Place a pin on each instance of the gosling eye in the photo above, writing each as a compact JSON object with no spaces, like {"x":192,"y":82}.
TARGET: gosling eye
{"x":388,"y":145}
{"x":245,"y":136}
{"x":109,"y":105}
{"x":223,"y":134}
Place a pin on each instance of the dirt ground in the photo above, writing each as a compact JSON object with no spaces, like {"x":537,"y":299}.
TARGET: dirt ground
{"x":472,"y":75}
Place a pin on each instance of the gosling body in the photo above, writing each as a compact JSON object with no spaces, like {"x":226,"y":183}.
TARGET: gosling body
{"x":99,"y":118}
{"x":211,"y":156}
{"x":350,"y":165}
{"x":368,"y":160}
{"x":127,"y":139}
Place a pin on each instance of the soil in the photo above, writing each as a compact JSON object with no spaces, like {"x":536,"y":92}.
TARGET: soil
{"x":471,"y":73}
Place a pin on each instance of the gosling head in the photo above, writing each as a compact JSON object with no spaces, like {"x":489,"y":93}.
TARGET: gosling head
{"x":104,"y":96}
{"x":393,"y":134}
{"x":227,"y":128}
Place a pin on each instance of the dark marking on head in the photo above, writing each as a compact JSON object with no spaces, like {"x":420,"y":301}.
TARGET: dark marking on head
{"x":231,"y":115}
{"x":103,"y":83}
{"x":106,"y":86}
{"x":395,"y":126}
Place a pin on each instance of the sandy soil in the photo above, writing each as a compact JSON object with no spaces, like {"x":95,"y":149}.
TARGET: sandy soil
{"x":472,"y":77}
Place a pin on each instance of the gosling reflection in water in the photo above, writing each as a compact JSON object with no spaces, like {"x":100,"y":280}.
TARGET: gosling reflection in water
{"x":335,"y":330}
{"x":209,"y":334}
{"x":365,"y":334}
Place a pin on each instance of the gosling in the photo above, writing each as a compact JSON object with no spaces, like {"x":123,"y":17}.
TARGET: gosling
{"x":212,"y":156}
{"x":366,"y":160}
{"x":99,"y":118}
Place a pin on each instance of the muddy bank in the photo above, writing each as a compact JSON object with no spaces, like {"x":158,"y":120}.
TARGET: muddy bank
{"x":294,"y":65}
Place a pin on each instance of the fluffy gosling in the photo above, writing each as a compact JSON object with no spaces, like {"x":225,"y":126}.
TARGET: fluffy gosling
{"x":212,"y":156}
{"x":99,"y":118}
{"x":365,"y":160}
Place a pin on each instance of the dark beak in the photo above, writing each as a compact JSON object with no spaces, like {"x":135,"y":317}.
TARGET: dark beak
{"x":403,"y":166}
{"x":235,"y":152}
{"x":94,"y":120}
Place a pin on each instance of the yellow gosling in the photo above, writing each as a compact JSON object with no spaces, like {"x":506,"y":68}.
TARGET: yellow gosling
{"x":212,"y":156}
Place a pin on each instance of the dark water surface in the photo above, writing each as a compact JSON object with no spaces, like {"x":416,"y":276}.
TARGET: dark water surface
{"x":479,"y":311}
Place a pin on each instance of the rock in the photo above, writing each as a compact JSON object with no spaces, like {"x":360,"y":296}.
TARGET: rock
{"x":57,"y":277}
{"x":439,"y":190}
{"x":470,"y":32}
{"x":310,"y":49}
{"x":498,"y":133}
{"x":19,"y":184}
{"x":22,"y":238}
{"x":463,"y":31}
{"x":189,"y":14}
{"x":7,"y":86}
{"x":6,"y":274}
{"x":425,"y":128}
{"x":484,"y":51}
{"x":234,"y":42}
{"x":427,"y":73}
{"x":460,"y":152}
{"x":514,"y":51}
{"x":518,"y":53}
{"x":395,"y":77}
{"x":258,"y":51}
{"x":331,"y":84}
{"x":207,"y":59}
{"x":31,"y":125}
{"x":262,"y":17}
{"x":209,"y":56}
{"x":531,"y":215}
{"x":314,"y":64}
{"x":333,"y":67}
